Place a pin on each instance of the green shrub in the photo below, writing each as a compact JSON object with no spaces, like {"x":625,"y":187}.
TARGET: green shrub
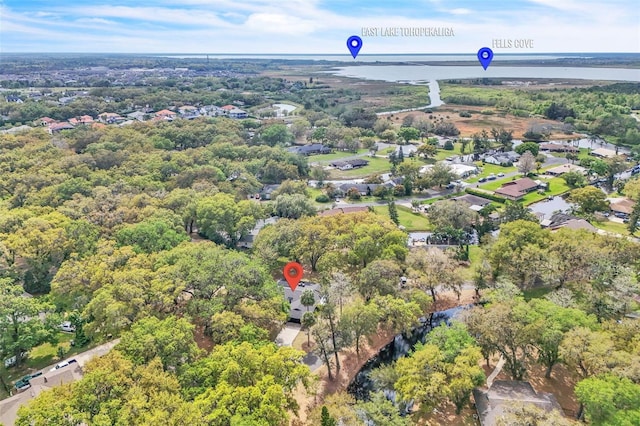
{"x":322,"y":198}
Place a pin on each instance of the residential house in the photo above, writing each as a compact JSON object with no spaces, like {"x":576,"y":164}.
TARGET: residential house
{"x":58,"y":127}
{"x":475,"y":202}
{"x":363,"y":189}
{"x":137,"y":115}
{"x":66,"y":100}
{"x":502,"y":158}
{"x":165,"y":114}
{"x":211,"y":110}
{"x":312,"y":149}
{"x":463,"y":170}
{"x":296,"y":308}
{"x":45,"y":121}
{"x":237,"y":113}
{"x":265,"y":192}
{"x":50,"y":379}
{"x":517,"y":189}
{"x":565,"y":220}
{"x":349,"y":164}
{"x":247,"y":240}
{"x":564,"y":168}
{"x":110,"y":117}
{"x":85,"y":119}
{"x":621,"y":207}
{"x":14,"y":99}
{"x":557,"y":147}
{"x":491,"y":403}
{"x":227,"y":108}
{"x":188,"y":112}
{"x":603,"y":153}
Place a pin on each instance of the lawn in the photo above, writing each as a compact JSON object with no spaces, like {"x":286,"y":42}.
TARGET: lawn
{"x":487,"y":169}
{"x":557,"y":186}
{"x":443,"y":153}
{"x":475,"y":257}
{"x":376,"y":166}
{"x":411,"y":221}
{"x":613,"y":227}
{"x":45,"y":355}
{"x":325,"y":158}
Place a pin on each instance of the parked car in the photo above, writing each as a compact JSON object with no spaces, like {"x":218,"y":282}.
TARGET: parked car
{"x":482,"y":179}
{"x":25,"y":382}
{"x":500,"y":174}
{"x":67,"y":327}
{"x":491,"y":177}
{"x":63,"y":364}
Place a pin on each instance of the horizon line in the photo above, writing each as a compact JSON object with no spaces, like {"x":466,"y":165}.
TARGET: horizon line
{"x":314,"y":54}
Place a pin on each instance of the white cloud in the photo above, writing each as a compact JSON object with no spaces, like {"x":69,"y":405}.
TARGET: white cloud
{"x":299,"y":26}
{"x":460,"y":11}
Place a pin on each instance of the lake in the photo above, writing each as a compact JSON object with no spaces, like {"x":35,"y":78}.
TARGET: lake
{"x":422,"y":73}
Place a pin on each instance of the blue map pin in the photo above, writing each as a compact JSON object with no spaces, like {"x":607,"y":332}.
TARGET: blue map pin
{"x":485,"y":55}
{"x":354,"y":43}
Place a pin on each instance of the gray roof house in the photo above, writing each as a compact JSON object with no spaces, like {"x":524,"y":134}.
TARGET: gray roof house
{"x":502,"y":158}
{"x":297,"y":310}
{"x":490,"y":403}
{"x":265,"y":192}
{"x":312,"y":149}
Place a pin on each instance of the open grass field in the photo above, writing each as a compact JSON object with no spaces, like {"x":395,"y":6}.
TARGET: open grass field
{"x":411,"y":221}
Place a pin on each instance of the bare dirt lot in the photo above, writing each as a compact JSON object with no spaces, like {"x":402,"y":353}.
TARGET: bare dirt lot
{"x":478,"y":122}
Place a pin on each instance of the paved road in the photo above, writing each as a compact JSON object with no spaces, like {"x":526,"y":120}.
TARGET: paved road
{"x":288,"y":334}
{"x":286,"y":337}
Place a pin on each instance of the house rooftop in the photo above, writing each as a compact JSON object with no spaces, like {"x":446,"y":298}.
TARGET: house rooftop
{"x":490,"y":403}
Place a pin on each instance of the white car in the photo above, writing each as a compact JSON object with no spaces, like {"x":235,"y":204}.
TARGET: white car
{"x":67,"y":327}
{"x":500,"y":174}
{"x":60,"y":365}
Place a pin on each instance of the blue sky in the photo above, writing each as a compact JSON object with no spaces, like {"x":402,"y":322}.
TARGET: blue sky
{"x":314,"y":26}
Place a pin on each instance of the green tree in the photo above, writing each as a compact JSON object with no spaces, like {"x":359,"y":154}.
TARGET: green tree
{"x":308,"y":321}
{"x":426,"y":150}
{"x":171,"y":340}
{"x":609,"y":400}
{"x":223,"y":220}
{"x":378,"y":277}
{"x":432,"y":269}
{"x":276,"y":134}
{"x":553,"y":322}
{"x":380,"y":411}
{"x":505,"y":328}
{"x":21,"y":327}
{"x":224,"y":327}
{"x":574,"y":179}
{"x":516,"y":211}
{"x":358,"y":321}
{"x":294,"y":206}
{"x":408,"y":133}
{"x":589,"y":199}
{"x":151,"y":236}
{"x":634,"y":217}
{"x":326,"y":419}
{"x":427,"y":378}
{"x":532,"y":147}
{"x":393,"y":213}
